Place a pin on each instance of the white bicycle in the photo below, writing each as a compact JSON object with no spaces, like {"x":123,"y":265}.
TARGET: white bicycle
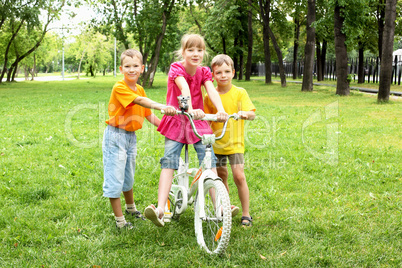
{"x":213,"y":219}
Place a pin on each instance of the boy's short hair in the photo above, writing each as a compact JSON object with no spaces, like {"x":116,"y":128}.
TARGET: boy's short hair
{"x":130,"y":53}
{"x":220,"y":59}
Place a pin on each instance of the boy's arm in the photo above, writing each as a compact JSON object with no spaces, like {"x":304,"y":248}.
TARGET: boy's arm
{"x":148,"y":103}
{"x":216,"y":101}
{"x":153,"y":119}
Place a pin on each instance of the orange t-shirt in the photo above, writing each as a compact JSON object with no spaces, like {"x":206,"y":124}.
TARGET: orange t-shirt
{"x":123,"y":113}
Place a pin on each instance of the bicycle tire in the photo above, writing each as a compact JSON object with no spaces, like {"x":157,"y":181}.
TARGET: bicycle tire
{"x":176,"y":205}
{"x":213,"y":232}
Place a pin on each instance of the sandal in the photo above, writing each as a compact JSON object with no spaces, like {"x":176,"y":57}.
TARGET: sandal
{"x":246,"y":221}
{"x":136,"y":214}
{"x":235,"y":210}
{"x":127,"y":226}
{"x":152,"y":214}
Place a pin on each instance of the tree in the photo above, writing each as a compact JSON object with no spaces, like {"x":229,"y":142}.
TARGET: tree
{"x":167,"y":8}
{"x":279,"y":55}
{"x":387,"y":49}
{"x":324,"y":34}
{"x":307,"y":84}
{"x":249,"y":39}
{"x":342,"y":82}
{"x":296,"y":10}
{"x":147,"y":22}
{"x":265,"y":9}
{"x":228,"y":22}
{"x":30,"y":15}
{"x":47,"y":53}
{"x":268,"y":34}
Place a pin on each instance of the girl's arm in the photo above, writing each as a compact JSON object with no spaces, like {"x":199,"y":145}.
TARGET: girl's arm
{"x":153,"y":119}
{"x":185,"y":91}
{"x":216,"y":101}
{"x":148,"y":103}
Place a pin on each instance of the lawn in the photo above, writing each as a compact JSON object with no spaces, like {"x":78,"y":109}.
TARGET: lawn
{"x":324,"y":174}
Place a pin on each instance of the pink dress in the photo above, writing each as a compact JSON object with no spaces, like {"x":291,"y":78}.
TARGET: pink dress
{"x":178,"y":127}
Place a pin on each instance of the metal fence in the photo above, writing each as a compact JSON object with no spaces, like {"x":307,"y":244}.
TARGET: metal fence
{"x":371,"y":67}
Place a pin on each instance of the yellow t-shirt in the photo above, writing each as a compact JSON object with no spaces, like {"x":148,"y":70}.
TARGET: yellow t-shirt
{"x":235,"y":100}
{"x":123,"y":113}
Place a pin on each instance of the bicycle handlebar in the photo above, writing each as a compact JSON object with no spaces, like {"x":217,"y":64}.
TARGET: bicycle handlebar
{"x":207,"y":117}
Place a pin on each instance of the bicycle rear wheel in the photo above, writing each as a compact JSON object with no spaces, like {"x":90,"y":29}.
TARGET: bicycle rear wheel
{"x":213,"y":232}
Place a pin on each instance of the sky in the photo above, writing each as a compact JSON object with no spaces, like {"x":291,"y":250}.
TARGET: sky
{"x":69,"y":26}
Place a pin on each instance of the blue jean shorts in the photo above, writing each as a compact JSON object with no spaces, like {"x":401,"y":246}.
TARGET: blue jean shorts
{"x":119,"y":151}
{"x":171,"y":157}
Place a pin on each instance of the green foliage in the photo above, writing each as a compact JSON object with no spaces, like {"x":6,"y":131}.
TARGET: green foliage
{"x":308,"y":211}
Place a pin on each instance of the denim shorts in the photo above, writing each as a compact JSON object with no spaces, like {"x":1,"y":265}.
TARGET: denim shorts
{"x":171,"y":157}
{"x":119,"y":151}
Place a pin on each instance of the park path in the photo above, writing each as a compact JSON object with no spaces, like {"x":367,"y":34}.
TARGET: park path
{"x":46,"y":78}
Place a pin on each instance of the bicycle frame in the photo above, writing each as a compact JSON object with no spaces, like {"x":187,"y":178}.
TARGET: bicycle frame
{"x":204,"y":171}
{"x":212,"y":221}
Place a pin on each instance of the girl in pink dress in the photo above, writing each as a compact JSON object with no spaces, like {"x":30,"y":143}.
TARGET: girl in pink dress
{"x":185,"y":78}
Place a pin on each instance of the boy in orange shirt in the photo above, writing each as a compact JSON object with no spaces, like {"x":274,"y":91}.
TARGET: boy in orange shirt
{"x":231,"y":146}
{"x":128,"y":106}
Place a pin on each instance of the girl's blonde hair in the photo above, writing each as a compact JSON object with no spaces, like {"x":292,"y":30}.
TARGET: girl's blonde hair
{"x":190,"y":40}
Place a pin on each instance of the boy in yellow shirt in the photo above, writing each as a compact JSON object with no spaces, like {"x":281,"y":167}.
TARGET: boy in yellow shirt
{"x":231,"y":146}
{"x":128,"y":106}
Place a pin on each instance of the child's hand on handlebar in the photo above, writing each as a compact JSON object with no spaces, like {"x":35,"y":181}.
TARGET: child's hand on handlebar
{"x":169,"y":110}
{"x":222,"y":116}
{"x":197,"y":114}
{"x":243,"y":115}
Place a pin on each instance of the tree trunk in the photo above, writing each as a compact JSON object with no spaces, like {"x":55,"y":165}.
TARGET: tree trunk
{"x":380,"y":21}
{"x":155,"y":58}
{"x":34,"y":67}
{"x":342,"y":83}
{"x":15,"y":64}
{"x":280,"y":58}
{"x":149,"y":79}
{"x":319,"y":67}
{"x":267,"y":58}
{"x":309,"y":49}
{"x":264,"y":13}
{"x":224,"y":44}
{"x":235,"y":56}
{"x":23,"y":56}
{"x":387,"y":45}
{"x":296,"y":46}
{"x":250,"y":41}
{"x":6,"y":53}
{"x":360,"y":68}
{"x":241,"y":60}
{"x":79,"y":65}
{"x":323,"y":58}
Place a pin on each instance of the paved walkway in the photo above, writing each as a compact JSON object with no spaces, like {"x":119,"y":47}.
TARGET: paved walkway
{"x":47,"y":78}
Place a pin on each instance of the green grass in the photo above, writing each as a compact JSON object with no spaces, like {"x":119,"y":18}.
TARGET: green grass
{"x":324,"y":174}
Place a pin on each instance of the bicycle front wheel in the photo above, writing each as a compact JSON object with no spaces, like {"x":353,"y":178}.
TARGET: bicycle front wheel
{"x":213,"y":231}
